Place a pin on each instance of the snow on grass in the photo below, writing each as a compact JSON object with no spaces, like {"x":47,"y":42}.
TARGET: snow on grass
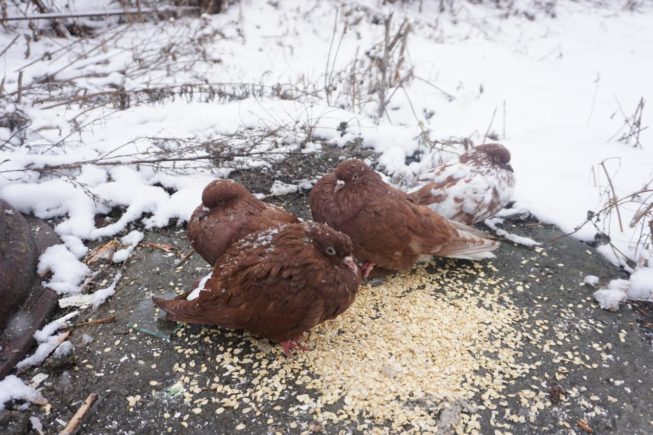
{"x":12,"y":388}
{"x":550,"y":89}
{"x":48,"y":340}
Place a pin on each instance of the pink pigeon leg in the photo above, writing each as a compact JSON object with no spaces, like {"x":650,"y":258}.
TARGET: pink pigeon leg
{"x":289,"y":346}
{"x":367,"y":268}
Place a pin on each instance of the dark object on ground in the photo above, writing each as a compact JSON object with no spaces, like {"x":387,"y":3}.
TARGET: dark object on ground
{"x":556,"y":394}
{"x":25,"y":304}
{"x":277,"y":283}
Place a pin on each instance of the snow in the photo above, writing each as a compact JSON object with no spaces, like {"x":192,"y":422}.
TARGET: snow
{"x":279,"y":188}
{"x":131,"y":240}
{"x":48,"y":340}
{"x":591,"y":280}
{"x":67,"y":271}
{"x":493,"y":224}
{"x":12,"y":388}
{"x":63,"y":350}
{"x":641,"y":285}
{"x":611,"y":297}
{"x":36,"y":424}
{"x":95,"y":299}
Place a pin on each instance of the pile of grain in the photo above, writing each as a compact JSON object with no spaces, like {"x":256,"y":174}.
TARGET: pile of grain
{"x":405,"y":355}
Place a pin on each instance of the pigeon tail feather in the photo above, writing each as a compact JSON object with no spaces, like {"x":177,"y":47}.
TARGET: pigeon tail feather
{"x":469,"y":245}
{"x":181,"y":310}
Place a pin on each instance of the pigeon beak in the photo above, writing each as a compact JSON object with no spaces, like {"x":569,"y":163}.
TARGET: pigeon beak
{"x":508,"y":167}
{"x":339,"y":185}
{"x":351,"y":264}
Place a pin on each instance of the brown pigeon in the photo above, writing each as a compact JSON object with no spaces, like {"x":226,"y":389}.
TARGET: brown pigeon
{"x":472,"y":189}
{"x":276,"y":283}
{"x":386,"y":227}
{"x":229,"y":212}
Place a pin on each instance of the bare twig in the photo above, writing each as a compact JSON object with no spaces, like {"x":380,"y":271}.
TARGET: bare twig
{"x":59,"y":29}
{"x":487,"y":132}
{"x":53,"y":15}
{"x":632,"y":125}
{"x":76,"y":421}
{"x":594,"y":215}
{"x":19,"y":87}
{"x":185,"y":258}
{"x":504,"y":120}
{"x":4,"y":50}
{"x":437,"y":88}
{"x":613,"y":199}
{"x":327,"y":74}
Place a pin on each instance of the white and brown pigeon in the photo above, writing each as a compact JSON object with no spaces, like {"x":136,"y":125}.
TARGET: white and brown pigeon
{"x":471,"y":189}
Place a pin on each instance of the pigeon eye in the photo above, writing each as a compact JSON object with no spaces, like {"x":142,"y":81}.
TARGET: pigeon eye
{"x":330,"y":250}
{"x":354,"y":177}
{"x":221,"y":202}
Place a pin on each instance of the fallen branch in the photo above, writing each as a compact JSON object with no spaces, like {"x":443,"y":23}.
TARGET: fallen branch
{"x":54,"y":15}
{"x":102,"y":162}
{"x":76,"y":421}
{"x":185,"y":258}
{"x":4,"y":50}
{"x":165,"y":247}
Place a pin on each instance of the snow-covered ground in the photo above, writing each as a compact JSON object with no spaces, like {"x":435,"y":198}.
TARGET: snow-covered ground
{"x":554,"y":90}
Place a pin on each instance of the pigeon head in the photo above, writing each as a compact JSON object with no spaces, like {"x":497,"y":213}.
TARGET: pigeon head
{"x":353,"y":172}
{"x":336,"y":246}
{"x":496,"y":154}
{"x":222,"y":193}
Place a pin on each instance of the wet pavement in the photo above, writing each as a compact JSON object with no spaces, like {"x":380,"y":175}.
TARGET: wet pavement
{"x":516,"y":345}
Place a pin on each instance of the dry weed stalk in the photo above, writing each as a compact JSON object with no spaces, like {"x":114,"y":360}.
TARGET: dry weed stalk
{"x":641,"y":200}
{"x":632,"y":127}
{"x":181,"y":156}
{"x":378,"y":75}
{"x":389,"y":62}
